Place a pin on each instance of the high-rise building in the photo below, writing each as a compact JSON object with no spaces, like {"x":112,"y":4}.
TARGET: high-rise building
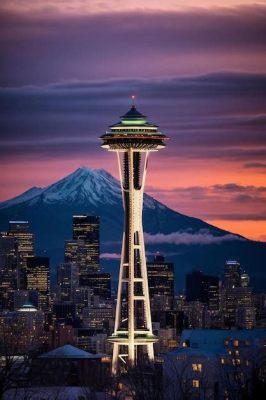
{"x":87,"y":229}
{"x":161,"y":278}
{"x":24,"y":246}
{"x":235,"y":301}
{"x":99,"y":282}
{"x":232,"y":274}
{"x":74,"y":252}
{"x":133,"y":138}
{"x":8,"y":271}
{"x":68,"y":280}
{"x":203,"y":288}
{"x":244,"y":280}
{"x":65,"y":311}
{"x":98,"y":317}
{"x":82,"y":298}
{"x":31,"y":322}
{"x":38,"y":278}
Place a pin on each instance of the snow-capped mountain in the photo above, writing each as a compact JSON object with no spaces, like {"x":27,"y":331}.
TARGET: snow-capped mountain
{"x":189,"y":242}
{"x":94,"y":186}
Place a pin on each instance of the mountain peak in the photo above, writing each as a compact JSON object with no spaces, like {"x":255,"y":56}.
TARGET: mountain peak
{"x":93,"y":186}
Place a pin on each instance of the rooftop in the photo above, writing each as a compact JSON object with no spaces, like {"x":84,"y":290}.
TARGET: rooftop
{"x":69,"y":351}
{"x":133,"y":113}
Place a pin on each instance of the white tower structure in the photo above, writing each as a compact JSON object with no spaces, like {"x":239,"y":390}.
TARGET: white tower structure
{"x":133,"y":138}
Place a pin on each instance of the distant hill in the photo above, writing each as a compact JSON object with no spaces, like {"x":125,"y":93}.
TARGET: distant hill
{"x":190,"y":242}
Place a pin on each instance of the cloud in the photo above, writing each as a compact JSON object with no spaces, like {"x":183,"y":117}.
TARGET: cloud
{"x":255,"y":165}
{"x":236,"y":188}
{"x":206,"y":191}
{"x":229,"y":201}
{"x":203,"y":237}
{"x":41,"y":49}
{"x":200,"y":114}
{"x":110,"y":256}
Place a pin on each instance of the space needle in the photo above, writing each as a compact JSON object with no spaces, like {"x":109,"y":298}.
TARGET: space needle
{"x":132,"y":138}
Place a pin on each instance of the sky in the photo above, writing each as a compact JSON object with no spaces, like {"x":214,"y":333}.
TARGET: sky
{"x":197,"y":69}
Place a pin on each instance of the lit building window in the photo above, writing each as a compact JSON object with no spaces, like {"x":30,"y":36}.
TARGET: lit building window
{"x":197,"y":367}
{"x":236,"y":343}
{"x":222,"y":360}
{"x":195,"y":383}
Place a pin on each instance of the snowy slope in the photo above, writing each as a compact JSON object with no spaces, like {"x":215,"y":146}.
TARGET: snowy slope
{"x":28,"y":195}
{"x":93,"y":186}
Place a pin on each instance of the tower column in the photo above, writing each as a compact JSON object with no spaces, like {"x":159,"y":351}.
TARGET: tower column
{"x":132,"y":138}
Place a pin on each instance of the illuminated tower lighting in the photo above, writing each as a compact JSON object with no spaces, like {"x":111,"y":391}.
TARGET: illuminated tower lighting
{"x":133,"y":138}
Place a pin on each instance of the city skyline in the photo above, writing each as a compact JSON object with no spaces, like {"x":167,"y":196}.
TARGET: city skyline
{"x":198,"y":71}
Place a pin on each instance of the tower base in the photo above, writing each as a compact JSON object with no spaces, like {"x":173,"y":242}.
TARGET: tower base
{"x":142,"y":339}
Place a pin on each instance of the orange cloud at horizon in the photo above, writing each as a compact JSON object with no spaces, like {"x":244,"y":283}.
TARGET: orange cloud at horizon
{"x":254,"y":230}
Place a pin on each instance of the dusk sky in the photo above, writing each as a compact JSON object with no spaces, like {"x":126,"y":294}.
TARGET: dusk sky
{"x":197,"y":68}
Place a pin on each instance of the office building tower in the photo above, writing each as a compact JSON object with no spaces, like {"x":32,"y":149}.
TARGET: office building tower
{"x":31,"y":322}
{"x":38,"y":278}
{"x":244,"y":279}
{"x":235,"y":300}
{"x":203,"y":288}
{"x":133,"y":138}
{"x":65,"y":311}
{"x":24,"y":246}
{"x":68,"y":280}
{"x":82,"y":298}
{"x":98,"y":317}
{"x":8,"y":271}
{"x":232,"y":274}
{"x":87,"y":229}
{"x":161,"y":279}
{"x":99,"y":282}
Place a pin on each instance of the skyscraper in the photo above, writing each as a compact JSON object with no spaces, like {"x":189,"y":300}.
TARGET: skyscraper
{"x":232,"y":274}
{"x":24,"y":246}
{"x":8,"y":271}
{"x":87,"y":229}
{"x":99,"y":282}
{"x":133,"y":138}
{"x":68,"y":280}
{"x":203,"y":288}
{"x":161,"y":278}
{"x":38,"y":278}
{"x":237,"y":304}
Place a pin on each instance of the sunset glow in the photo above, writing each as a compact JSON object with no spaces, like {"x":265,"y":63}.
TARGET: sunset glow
{"x":196,"y":68}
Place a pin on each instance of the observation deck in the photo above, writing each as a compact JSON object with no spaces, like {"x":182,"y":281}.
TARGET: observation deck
{"x":133,"y":131}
